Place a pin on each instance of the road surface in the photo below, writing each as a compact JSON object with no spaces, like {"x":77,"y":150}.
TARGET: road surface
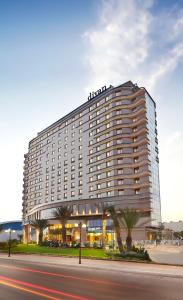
{"x":28,"y":280}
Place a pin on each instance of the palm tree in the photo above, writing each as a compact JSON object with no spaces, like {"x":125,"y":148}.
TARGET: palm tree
{"x":40,"y":225}
{"x":114,"y":216}
{"x":63,"y":213}
{"x":129,"y":218}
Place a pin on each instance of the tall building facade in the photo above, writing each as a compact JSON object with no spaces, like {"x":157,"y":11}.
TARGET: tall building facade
{"x":105,"y":152}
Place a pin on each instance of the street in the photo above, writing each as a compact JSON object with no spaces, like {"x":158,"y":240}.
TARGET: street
{"x":20,"y":279}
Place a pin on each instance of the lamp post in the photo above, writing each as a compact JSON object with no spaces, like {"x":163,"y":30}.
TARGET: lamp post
{"x":80,"y":238}
{"x":9,"y":242}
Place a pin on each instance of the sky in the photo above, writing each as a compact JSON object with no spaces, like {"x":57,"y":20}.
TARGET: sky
{"x":54,"y":52}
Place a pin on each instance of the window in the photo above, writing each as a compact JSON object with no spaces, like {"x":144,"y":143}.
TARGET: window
{"x":52,"y":198}
{"x":120,"y":181}
{"x":80,"y":182}
{"x":59,"y":180}
{"x":137,"y":191}
{"x":108,"y":193}
{"x":90,"y":179}
{"x":65,"y":178}
{"x":136,"y":170}
{"x":72,"y":176}
{"x":120,"y":161}
{"x":72,"y":159}
{"x":72,"y":184}
{"x":108,"y":174}
{"x":65,"y":186}
{"x":120,"y":171}
{"x":80,"y":173}
{"x":108,"y":184}
{"x":72,"y":193}
{"x":59,"y":165}
{"x":65,"y":195}
{"x":80,"y":156}
{"x":80,"y":191}
{"x":136,"y":180}
{"x":98,"y":186}
{"x":91,"y":188}
{"x":80,"y":165}
{"x":59,"y":149}
{"x":120,"y":192}
{"x":98,"y":176}
{"x":72,"y":168}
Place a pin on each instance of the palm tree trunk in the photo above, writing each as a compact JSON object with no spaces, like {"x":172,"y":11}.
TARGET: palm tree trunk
{"x":129,"y":240}
{"x":119,"y":241}
{"x":63,"y":233}
{"x":40,"y":237}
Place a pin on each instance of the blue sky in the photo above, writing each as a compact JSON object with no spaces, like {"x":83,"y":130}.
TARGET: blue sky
{"x":53,"y":52}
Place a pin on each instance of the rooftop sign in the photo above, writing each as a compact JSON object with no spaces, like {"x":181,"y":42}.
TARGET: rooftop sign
{"x":98,"y":92}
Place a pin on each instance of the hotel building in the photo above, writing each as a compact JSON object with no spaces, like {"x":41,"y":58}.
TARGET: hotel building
{"x":105,"y":152}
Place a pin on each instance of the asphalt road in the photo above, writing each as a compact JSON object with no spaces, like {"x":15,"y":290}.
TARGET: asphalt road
{"x":20,"y":280}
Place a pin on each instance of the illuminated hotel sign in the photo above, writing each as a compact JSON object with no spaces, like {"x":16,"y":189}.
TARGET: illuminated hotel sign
{"x":98,"y":92}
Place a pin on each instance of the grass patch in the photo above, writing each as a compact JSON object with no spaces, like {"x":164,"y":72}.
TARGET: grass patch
{"x":141,"y":256}
{"x":35,"y":249}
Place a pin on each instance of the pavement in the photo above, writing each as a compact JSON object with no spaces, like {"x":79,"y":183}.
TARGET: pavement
{"x":43,"y":277}
{"x":166,"y":254}
{"x":145,"y":268}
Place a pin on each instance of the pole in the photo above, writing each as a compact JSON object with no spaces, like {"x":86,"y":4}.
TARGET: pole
{"x":9,"y":248}
{"x":80,"y":226}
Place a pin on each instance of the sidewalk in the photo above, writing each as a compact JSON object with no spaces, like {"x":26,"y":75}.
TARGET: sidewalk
{"x":172,"y":255}
{"x":113,"y":266}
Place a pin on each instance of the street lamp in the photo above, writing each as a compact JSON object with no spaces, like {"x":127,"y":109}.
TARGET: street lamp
{"x":80,"y":229}
{"x":9,"y":242}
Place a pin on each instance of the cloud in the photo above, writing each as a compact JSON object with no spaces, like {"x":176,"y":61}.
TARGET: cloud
{"x":130,"y":42}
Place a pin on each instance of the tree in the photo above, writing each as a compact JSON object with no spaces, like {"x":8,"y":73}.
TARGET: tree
{"x":40,"y":225}
{"x":129,"y":218}
{"x":63,"y":213}
{"x":114,"y":216}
